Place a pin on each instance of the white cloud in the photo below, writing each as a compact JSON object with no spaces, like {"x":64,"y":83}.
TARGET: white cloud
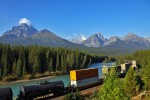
{"x":83,"y":37}
{"x":24,"y":21}
{"x":79,"y":36}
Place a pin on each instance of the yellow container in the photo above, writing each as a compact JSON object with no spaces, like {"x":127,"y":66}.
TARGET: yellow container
{"x":83,"y":73}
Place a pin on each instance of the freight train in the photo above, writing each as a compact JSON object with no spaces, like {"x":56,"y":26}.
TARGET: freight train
{"x":31,"y":92}
{"x":80,"y":79}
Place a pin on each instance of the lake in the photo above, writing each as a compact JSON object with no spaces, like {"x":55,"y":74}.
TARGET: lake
{"x":65,"y":78}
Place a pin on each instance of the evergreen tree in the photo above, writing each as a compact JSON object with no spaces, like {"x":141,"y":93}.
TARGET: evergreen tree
{"x":146,"y":77}
{"x":112,"y":88}
{"x":50,"y":65}
{"x":20,"y":62}
{"x":6,"y":66}
{"x":14,"y":67}
{"x":24,"y":72}
{"x":19,"y":68}
{"x":57,"y":63}
{"x":84,"y":61}
{"x":36,"y":66}
{"x":0,"y":73}
{"x":130,"y":83}
{"x":63,"y":63}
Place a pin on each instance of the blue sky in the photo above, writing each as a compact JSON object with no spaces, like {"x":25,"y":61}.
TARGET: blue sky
{"x":69,"y":18}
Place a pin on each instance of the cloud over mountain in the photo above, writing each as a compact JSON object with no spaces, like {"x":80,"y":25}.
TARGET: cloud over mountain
{"x":24,"y":21}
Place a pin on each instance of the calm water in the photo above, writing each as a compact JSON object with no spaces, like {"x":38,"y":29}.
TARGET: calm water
{"x":65,"y":78}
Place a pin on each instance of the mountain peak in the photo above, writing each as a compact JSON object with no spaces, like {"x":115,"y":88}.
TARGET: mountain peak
{"x":131,"y":36}
{"x":99,"y":35}
{"x":45,"y":31}
{"x":95,"y":40}
{"x":23,"y":30}
{"x":44,"y":34}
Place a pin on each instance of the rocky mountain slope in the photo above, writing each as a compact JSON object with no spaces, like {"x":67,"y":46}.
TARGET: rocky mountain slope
{"x":95,"y":40}
{"x":22,"y":30}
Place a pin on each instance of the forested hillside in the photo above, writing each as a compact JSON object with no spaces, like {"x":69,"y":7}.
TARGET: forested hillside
{"x":20,"y":61}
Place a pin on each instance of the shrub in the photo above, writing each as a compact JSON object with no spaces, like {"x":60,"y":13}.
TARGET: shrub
{"x":73,"y":96}
{"x":28,"y":76}
{"x":10,"y":78}
{"x":47,"y":73}
{"x":38,"y":75}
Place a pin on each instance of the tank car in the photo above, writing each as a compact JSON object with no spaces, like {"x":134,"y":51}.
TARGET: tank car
{"x":6,"y":93}
{"x":34,"y":91}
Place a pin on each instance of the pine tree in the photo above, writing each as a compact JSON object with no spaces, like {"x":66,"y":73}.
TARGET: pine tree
{"x":36,"y":66}
{"x":14,"y":67}
{"x":20,"y":62}
{"x":50,"y":65}
{"x":112,"y":88}
{"x":131,"y":83}
{"x":57,"y":63}
{"x":6,"y":66}
{"x":63,"y":63}
{"x":146,"y":77}
{"x":19,"y":67}
{"x":84,"y":61}
{"x":0,"y":73}
{"x":24,"y":72}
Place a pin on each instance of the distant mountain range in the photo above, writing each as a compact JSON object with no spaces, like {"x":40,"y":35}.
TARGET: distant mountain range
{"x":131,"y":40}
{"x":28,"y":35}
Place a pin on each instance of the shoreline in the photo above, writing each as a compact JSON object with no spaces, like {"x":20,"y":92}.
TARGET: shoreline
{"x":30,"y":80}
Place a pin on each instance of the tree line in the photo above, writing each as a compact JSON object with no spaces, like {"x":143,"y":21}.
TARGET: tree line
{"x":23,"y":60}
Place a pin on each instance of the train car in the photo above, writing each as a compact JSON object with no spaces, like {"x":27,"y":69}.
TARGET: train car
{"x":84,"y":78}
{"x":6,"y":93}
{"x":34,"y":91}
{"x":125,"y":67}
{"x":83,"y":73}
